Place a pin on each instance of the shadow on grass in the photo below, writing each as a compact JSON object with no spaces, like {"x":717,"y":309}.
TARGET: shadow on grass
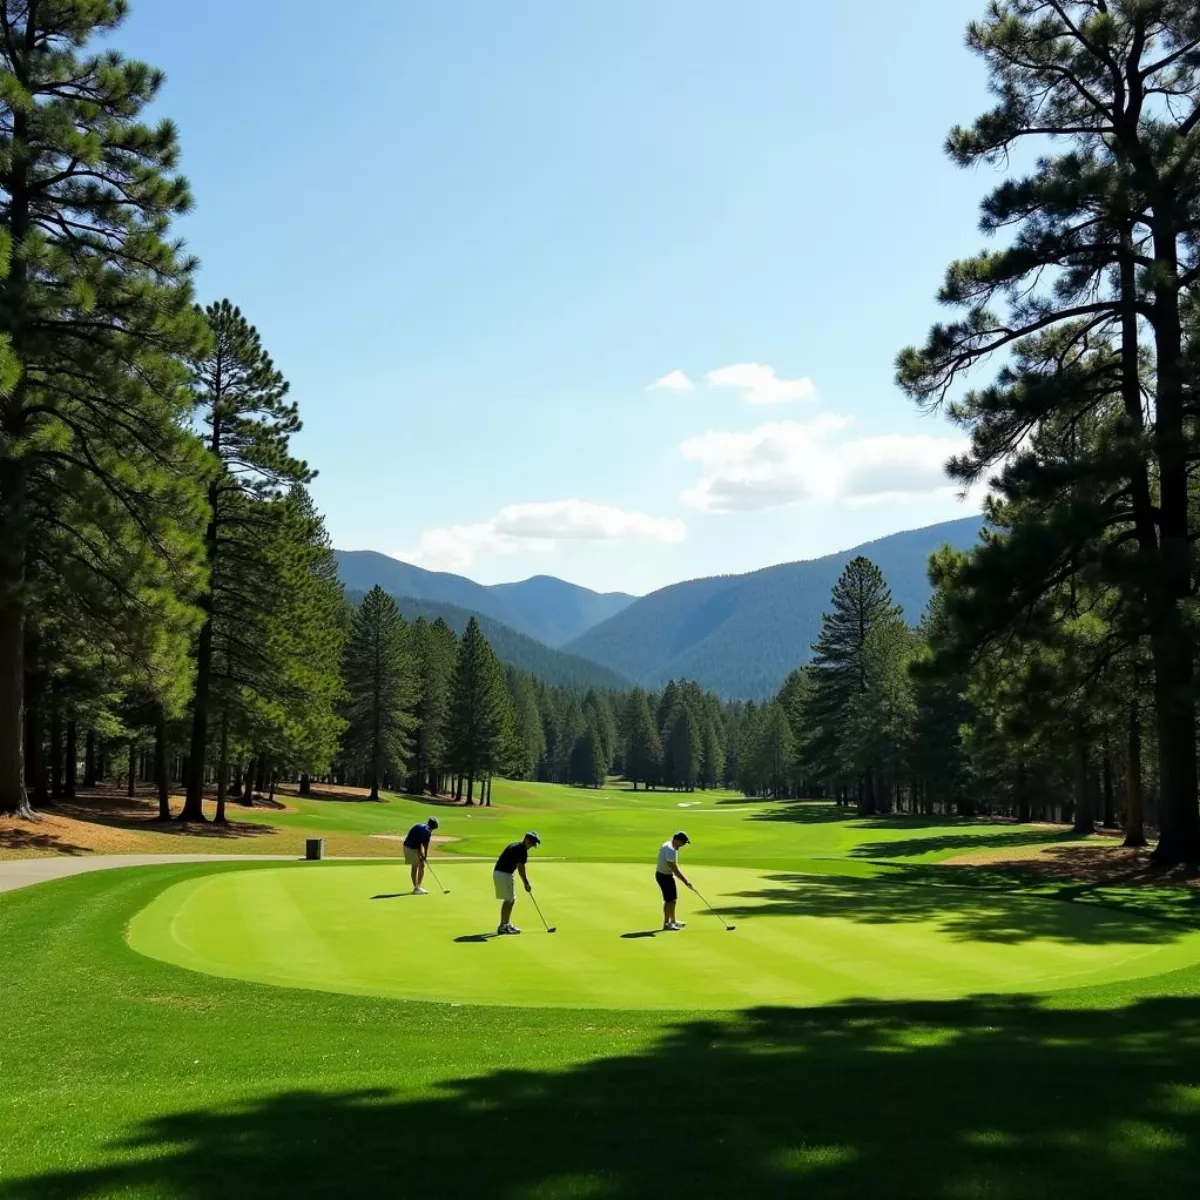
{"x":969,"y":914}
{"x":986,"y":1097}
{"x":475,"y":937}
{"x":642,"y":933}
{"x":799,"y":812}
{"x":972,"y":838}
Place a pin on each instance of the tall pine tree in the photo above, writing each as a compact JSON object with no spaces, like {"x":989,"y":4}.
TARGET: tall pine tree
{"x":382,"y":688}
{"x":248,"y":421}
{"x":96,"y":470}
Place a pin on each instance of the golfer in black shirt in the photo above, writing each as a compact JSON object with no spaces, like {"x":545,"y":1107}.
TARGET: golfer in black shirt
{"x":513,"y":858}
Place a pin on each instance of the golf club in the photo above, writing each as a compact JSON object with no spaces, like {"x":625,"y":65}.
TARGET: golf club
{"x":728,"y":928}
{"x":549,"y":928}
{"x":445,"y":890}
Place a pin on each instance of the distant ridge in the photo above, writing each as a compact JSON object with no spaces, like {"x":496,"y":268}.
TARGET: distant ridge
{"x":548,"y":609}
{"x":740,"y":635}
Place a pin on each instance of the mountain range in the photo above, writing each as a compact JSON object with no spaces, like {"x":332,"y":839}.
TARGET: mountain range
{"x":543,"y":607}
{"x":738,"y":635}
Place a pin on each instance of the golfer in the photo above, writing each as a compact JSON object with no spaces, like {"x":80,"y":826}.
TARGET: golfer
{"x":665,"y":874}
{"x":513,"y":858}
{"x":416,"y":851}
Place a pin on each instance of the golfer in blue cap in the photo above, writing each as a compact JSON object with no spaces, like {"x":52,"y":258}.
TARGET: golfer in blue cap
{"x":513,"y":858}
{"x":416,"y":851}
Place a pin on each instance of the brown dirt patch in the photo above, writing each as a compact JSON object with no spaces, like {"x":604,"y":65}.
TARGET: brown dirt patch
{"x":333,"y":791}
{"x":1104,"y":862}
{"x":106,"y":821}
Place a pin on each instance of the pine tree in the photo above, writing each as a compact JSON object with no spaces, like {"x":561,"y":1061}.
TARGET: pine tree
{"x":98,"y":476}
{"x":683,"y":749}
{"x":381,"y":684}
{"x":435,"y":651}
{"x":1100,"y":256}
{"x":588,"y":765}
{"x":477,"y":709}
{"x":860,"y":601}
{"x":530,"y":740}
{"x":877,"y":740}
{"x":643,"y":747}
{"x":242,"y":403}
{"x":712,"y":753}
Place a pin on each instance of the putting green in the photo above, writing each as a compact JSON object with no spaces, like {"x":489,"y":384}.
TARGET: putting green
{"x":800,"y":940}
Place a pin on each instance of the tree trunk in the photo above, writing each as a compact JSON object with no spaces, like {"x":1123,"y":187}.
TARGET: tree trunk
{"x":1084,"y":822}
{"x":14,"y":799}
{"x":131,"y":783}
{"x":56,"y":755}
{"x":1135,"y":833}
{"x":470,"y":789}
{"x":72,"y":764}
{"x":1109,"y":819}
{"x":305,"y":785}
{"x":1172,"y":643}
{"x":35,"y":721}
{"x":488,"y":785}
{"x":1022,"y":790}
{"x":89,"y":759}
{"x":236,"y":787}
{"x":160,"y":765}
{"x":223,"y":770}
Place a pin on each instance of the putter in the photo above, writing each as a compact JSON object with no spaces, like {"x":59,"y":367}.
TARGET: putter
{"x":728,"y":928}
{"x":549,"y":928}
{"x":445,"y":890}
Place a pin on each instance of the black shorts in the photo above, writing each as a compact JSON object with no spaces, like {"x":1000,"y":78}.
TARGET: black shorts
{"x":666,"y":885}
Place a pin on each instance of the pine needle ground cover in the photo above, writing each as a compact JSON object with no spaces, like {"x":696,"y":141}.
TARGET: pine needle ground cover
{"x":126,"y":1074}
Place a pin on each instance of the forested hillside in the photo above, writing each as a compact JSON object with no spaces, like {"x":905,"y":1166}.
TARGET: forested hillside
{"x":740,"y":635}
{"x":555,"y":667}
{"x":550,"y":610}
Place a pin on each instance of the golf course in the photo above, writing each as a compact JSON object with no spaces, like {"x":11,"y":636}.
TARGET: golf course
{"x":879,"y":1018}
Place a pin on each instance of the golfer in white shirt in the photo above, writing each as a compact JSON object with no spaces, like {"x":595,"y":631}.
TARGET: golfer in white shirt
{"x":665,"y":874}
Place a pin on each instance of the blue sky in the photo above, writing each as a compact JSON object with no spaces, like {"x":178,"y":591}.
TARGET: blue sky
{"x":473,"y":234}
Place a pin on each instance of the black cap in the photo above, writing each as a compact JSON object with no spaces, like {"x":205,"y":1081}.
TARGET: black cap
{"x":533,"y":837}
{"x":681,"y":837}
{"x":432,"y":822}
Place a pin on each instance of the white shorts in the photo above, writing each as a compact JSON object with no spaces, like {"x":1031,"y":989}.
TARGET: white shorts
{"x":412,"y":856}
{"x":506,"y":885}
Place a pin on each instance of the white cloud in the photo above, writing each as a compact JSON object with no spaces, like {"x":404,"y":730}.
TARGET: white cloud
{"x":538,"y":528}
{"x":787,"y":462}
{"x":759,"y":384}
{"x":672,"y":381}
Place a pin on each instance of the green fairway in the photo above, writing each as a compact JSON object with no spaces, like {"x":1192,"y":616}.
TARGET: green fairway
{"x":799,"y":941}
{"x":878,"y":1025}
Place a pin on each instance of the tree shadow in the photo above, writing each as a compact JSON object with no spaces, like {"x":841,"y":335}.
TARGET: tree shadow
{"x":17,"y":838}
{"x":800,"y":812}
{"x":980,"y":914}
{"x":963,"y":842}
{"x":987,"y":1097}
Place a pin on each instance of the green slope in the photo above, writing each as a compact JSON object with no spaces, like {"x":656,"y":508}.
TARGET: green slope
{"x":556,"y":667}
